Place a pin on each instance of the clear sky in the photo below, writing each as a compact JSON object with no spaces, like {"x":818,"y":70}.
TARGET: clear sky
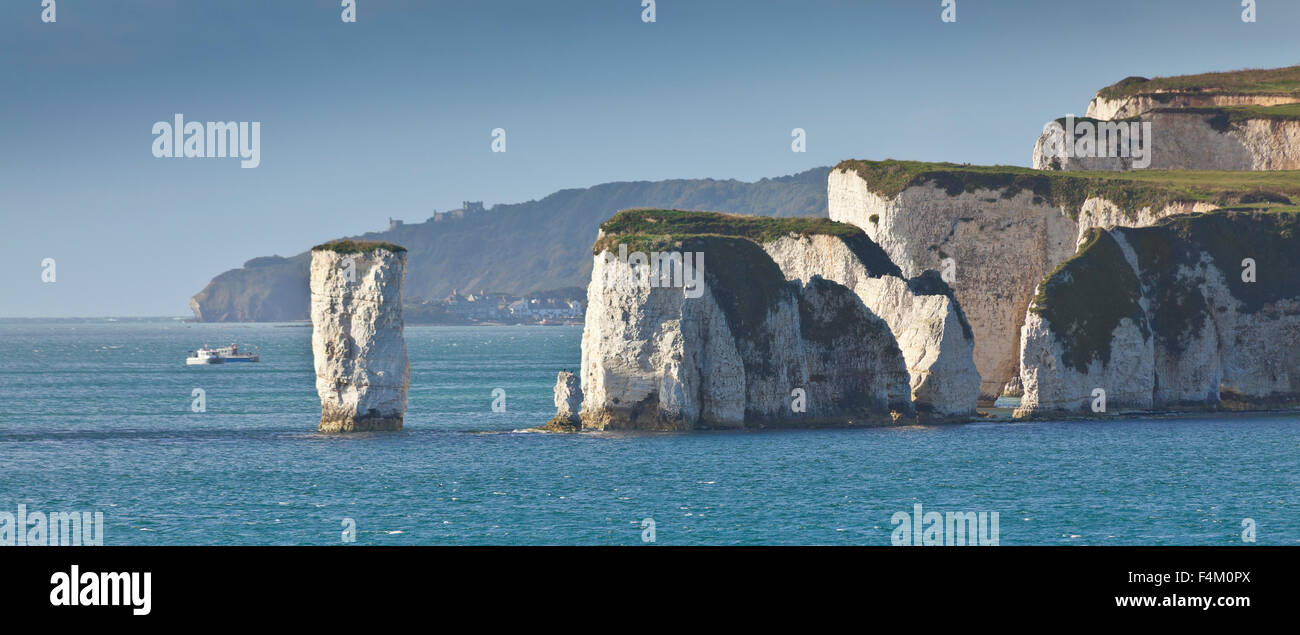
{"x":392,"y":115}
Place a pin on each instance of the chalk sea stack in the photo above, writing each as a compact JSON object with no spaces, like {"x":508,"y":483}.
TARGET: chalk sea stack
{"x":742,"y":343}
{"x":362,"y":370}
{"x":568,"y":403}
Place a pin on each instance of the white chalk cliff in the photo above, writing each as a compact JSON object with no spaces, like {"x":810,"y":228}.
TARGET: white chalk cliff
{"x":746,"y":349}
{"x":1238,"y":120}
{"x":362,"y":369}
{"x":1169,"y":318}
{"x":1185,"y":140}
{"x":1124,"y":107}
{"x":928,"y":324}
{"x":995,"y":235}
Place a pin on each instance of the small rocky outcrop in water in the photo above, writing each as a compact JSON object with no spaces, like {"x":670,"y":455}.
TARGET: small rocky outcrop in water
{"x":732,"y":344}
{"x":362,"y":370}
{"x":1199,"y":312}
{"x":568,"y":403}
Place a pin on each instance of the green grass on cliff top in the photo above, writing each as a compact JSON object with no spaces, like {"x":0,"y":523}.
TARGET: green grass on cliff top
{"x":1131,"y":191}
{"x":678,"y":223}
{"x":657,"y":229}
{"x":1272,"y":81}
{"x":357,"y":246}
{"x":1282,"y":112}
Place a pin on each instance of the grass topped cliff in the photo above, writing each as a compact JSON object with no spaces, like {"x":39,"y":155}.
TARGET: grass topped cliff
{"x":1088,"y":295}
{"x":657,"y":229}
{"x":1131,"y":191}
{"x":357,"y":246}
{"x":1234,"y":114}
{"x":1223,"y":114}
{"x":1273,"y":81}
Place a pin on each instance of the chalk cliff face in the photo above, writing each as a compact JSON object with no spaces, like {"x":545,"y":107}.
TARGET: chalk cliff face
{"x":997,"y":234}
{"x":1169,"y":317}
{"x":1188,"y":140}
{"x":362,"y":370}
{"x":1239,"y":120}
{"x":928,"y":324}
{"x":268,"y":289}
{"x":746,"y":348}
{"x":1124,"y":107}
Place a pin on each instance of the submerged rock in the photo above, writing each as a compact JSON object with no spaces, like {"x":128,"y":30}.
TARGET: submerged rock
{"x":1199,"y":312}
{"x":362,"y":369}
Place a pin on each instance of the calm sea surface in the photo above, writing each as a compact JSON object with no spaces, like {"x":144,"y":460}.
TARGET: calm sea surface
{"x":96,"y":416}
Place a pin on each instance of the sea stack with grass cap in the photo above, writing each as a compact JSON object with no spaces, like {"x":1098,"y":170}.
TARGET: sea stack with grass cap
{"x":362,"y":370}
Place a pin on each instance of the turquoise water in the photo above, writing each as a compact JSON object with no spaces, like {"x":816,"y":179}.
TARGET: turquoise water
{"x":96,"y":416}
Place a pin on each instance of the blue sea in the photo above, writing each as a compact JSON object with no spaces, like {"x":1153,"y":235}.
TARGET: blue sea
{"x":96,"y":415}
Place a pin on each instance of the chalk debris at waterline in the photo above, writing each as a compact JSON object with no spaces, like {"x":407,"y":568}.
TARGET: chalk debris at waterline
{"x":362,"y":369}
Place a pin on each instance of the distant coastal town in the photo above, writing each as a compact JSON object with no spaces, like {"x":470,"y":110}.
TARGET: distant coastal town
{"x":559,"y":307}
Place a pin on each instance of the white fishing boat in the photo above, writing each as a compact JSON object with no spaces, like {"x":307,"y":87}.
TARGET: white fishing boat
{"x":231,"y":354}
{"x":219,"y":355}
{"x":204,"y":355}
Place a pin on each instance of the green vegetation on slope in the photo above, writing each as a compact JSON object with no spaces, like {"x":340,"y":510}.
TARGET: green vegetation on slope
{"x":1130,"y":191}
{"x":1238,"y":114}
{"x":1087,"y":296}
{"x":747,"y":284}
{"x":517,"y":248}
{"x":658,"y":229}
{"x":1273,"y":81}
{"x":1271,"y":237}
{"x":357,"y":246}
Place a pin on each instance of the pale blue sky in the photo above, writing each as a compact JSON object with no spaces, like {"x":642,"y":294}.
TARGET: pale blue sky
{"x":392,"y":115}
